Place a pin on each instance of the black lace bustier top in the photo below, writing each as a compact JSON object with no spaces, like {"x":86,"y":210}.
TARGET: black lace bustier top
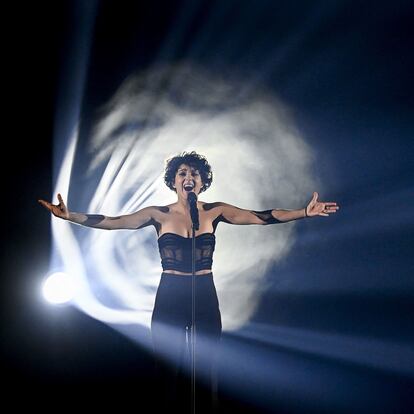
{"x":175,"y":251}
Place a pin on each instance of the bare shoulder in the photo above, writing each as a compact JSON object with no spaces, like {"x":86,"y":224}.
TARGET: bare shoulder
{"x":160,"y":211}
{"x":218,"y":205}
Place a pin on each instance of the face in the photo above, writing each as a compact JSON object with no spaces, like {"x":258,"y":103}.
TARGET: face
{"x":187,"y":176}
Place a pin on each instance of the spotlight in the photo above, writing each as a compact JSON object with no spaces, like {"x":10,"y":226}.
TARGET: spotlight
{"x":58,"y":288}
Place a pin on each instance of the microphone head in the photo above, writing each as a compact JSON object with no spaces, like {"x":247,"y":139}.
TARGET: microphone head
{"x":192,"y":197}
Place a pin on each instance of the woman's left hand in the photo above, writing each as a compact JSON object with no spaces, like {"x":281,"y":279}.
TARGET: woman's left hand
{"x":320,"y":208}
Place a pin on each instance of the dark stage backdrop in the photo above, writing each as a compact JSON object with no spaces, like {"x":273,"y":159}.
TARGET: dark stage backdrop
{"x":346,"y":68}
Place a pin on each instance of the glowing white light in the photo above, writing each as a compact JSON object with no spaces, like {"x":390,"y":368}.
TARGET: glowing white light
{"x":58,"y":288}
{"x":248,"y":138}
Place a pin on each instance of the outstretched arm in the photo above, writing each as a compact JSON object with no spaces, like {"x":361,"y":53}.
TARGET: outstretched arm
{"x":235,"y":215}
{"x":137,"y":220}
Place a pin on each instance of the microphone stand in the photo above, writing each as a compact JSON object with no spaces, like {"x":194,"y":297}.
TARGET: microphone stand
{"x":193,"y":327}
{"x":195,"y":226}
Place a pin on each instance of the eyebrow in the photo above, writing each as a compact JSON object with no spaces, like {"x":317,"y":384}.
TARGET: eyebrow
{"x":185,"y":169}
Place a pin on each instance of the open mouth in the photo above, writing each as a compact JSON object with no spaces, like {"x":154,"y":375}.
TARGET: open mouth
{"x":188,"y":187}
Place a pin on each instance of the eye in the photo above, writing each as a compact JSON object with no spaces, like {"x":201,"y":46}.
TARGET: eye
{"x":182,"y":173}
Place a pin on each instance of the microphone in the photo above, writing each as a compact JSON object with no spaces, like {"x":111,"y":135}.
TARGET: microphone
{"x":192,"y":200}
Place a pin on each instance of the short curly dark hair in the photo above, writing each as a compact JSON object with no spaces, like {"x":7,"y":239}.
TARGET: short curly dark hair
{"x":192,"y":159}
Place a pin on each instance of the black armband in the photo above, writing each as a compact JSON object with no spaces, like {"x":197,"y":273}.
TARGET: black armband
{"x":266,"y":216}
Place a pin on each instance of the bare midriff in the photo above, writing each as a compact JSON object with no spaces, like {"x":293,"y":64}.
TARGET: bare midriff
{"x":198,"y":273}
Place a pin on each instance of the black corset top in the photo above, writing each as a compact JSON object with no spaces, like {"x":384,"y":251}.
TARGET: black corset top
{"x":175,"y":251}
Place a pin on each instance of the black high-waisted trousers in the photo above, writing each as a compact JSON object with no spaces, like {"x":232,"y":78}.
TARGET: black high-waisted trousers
{"x":171,"y":335}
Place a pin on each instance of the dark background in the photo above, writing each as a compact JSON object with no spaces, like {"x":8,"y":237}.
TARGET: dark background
{"x":349,"y":80}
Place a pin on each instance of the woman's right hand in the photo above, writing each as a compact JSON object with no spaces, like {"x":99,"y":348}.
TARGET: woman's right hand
{"x":58,"y":210}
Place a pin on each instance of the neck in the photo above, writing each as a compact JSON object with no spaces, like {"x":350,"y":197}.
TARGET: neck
{"x":182,"y":204}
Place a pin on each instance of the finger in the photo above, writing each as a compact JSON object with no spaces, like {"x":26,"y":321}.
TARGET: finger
{"x":44,"y":203}
{"x":60,"y":198}
{"x":315,"y":195}
{"x":329,"y":211}
{"x":324,"y":214}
